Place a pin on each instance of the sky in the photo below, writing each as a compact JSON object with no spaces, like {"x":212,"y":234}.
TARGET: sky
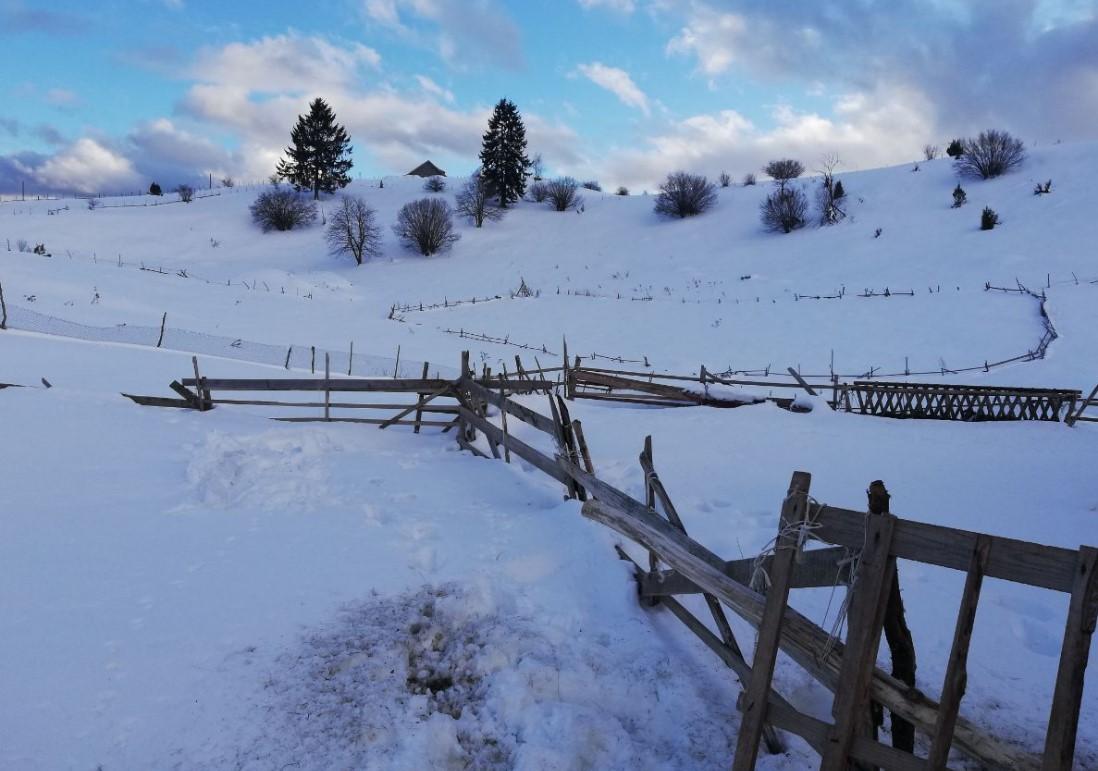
{"x":110,"y":96}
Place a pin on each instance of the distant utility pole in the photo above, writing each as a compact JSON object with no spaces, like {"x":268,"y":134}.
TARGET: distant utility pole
{"x":211,"y":181}
{"x":23,"y":190}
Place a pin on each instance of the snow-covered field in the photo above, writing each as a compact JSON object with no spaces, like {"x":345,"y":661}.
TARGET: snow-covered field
{"x":184,"y":590}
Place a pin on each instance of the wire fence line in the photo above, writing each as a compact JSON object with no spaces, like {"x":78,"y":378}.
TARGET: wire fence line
{"x":299,"y":357}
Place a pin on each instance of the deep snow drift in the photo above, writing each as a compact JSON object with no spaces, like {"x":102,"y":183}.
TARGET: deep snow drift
{"x":218,"y":591}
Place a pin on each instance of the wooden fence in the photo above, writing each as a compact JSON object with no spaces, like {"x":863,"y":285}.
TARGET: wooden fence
{"x":1079,"y":413}
{"x":859,"y":552}
{"x":955,"y":402}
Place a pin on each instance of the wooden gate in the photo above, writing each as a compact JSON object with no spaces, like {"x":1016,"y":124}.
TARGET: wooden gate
{"x":955,"y":402}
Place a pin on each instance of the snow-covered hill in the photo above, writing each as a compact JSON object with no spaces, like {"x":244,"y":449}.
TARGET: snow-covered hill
{"x":206,"y":590}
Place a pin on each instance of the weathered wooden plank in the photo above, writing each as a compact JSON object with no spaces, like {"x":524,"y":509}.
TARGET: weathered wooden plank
{"x":804,"y":384}
{"x":794,"y":512}
{"x":801,"y":640}
{"x":1048,"y":567}
{"x":417,"y":406}
{"x":523,"y":413}
{"x":403,"y":385}
{"x":367,"y":421}
{"x":818,"y":567}
{"x":520,"y":448}
{"x":872,"y":581}
{"x":448,"y":409}
{"x":1063,"y":721}
{"x":956,"y":677}
{"x":192,"y":399}
{"x":159,"y":401}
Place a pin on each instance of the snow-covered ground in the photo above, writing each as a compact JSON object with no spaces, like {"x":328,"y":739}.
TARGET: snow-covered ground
{"x":184,"y":590}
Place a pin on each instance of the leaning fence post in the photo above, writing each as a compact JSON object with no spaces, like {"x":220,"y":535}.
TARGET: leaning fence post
{"x":897,"y":634}
{"x":3,"y":310}
{"x":327,"y":387}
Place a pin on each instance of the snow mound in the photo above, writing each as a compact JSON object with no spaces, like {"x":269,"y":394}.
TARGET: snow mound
{"x":275,"y":468}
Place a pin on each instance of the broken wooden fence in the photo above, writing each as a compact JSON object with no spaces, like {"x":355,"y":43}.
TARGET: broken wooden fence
{"x":875,"y":541}
{"x":1079,"y":413}
{"x":847,"y":668}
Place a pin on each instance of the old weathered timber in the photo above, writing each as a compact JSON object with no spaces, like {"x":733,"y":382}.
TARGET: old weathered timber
{"x":937,"y":401}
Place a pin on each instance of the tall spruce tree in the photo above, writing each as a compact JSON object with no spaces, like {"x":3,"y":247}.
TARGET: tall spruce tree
{"x":321,"y":153}
{"x":504,"y":164}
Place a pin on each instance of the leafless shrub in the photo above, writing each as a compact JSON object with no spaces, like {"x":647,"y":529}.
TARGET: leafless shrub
{"x":784,"y":210}
{"x":748,"y":180}
{"x":186,"y":193}
{"x":623,"y":190}
{"x":353,"y":229}
{"x":228,"y":182}
{"x":282,"y":209}
{"x":724,"y":179}
{"x":831,"y":192}
{"x":592,"y":184}
{"x":93,"y":204}
{"x":685,"y":195}
{"x":426,"y":225}
{"x":537,"y":167}
{"x":561,"y":194}
{"x":783,"y":170}
{"x":434,"y":184}
{"x":990,"y":154}
{"x":930,"y":152}
{"x":539,"y":191}
{"x":475,"y":202}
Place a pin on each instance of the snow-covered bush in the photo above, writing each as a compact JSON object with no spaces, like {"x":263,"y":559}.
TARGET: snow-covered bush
{"x":593,"y":184}
{"x":539,"y":191}
{"x":282,"y":209}
{"x":353,"y":229}
{"x":228,"y":182}
{"x":988,"y":219}
{"x":960,"y":198}
{"x":93,"y":204}
{"x":990,"y":154}
{"x":434,"y":184}
{"x":426,"y":225}
{"x":784,"y":210}
{"x":685,"y":195}
{"x":475,"y":202}
{"x":561,"y":194}
{"x":186,"y":193}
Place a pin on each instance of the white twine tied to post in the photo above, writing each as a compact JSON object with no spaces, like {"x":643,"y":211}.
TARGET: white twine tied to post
{"x":760,"y":579}
{"x":849,"y":562}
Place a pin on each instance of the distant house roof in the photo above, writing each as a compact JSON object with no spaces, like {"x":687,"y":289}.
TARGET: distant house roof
{"x":426,"y":169}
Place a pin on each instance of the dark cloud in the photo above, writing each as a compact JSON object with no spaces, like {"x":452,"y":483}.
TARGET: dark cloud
{"x":1031,"y":66}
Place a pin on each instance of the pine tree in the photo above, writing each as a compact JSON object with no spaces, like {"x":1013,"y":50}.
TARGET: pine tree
{"x":321,"y":153}
{"x":503,"y":157}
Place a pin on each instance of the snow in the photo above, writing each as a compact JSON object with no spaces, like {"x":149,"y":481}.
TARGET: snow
{"x":214,"y":590}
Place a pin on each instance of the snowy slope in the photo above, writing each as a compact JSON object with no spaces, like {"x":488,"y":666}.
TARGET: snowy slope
{"x":185,"y":590}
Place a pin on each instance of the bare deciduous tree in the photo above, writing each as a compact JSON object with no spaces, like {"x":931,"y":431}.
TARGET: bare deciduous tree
{"x":990,"y":154}
{"x":685,"y":195}
{"x":426,"y":225}
{"x":186,"y":193}
{"x":831,"y":192}
{"x":561,"y":194}
{"x":353,"y":229}
{"x":930,"y":152}
{"x":539,"y":191}
{"x":784,"y":210}
{"x":475,"y":202}
{"x":783,"y":170}
{"x":537,"y":166}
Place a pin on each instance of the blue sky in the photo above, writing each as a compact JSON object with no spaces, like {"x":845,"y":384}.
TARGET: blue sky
{"x":107,"y":95}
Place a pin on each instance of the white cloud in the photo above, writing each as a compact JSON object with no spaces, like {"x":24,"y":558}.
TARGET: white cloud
{"x":866,"y":129}
{"x":433,"y":88}
{"x":88,"y":166}
{"x":62,"y":97}
{"x":621,"y":6}
{"x":285,"y":63}
{"x":462,"y":32}
{"x":617,"y":82}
